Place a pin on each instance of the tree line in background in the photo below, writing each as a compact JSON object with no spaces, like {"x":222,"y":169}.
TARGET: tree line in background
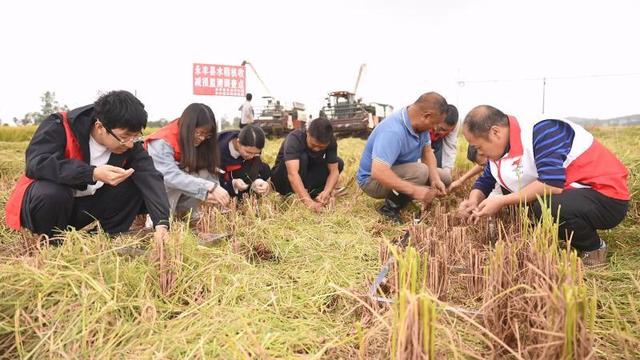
{"x":50,"y":105}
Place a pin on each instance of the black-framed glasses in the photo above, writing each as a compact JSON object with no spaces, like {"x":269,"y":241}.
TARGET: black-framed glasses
{"x":130,"y":139}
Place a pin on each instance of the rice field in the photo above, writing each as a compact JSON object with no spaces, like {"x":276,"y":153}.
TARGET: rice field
{"x":288,"y":283}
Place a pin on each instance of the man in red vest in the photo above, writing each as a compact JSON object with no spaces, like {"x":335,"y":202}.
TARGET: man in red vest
{"x":89,"y":164}
{"x":444,"y":142}
{"x":584,"y":183}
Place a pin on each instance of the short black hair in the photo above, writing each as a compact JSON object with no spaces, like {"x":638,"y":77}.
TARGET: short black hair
{"x":481,"y":118}
{"x":249,"y":97}
{"x":252,"y":135}
{"x":321,"y":130}
{"x":452,"y":115}
{"x":122,"y":110}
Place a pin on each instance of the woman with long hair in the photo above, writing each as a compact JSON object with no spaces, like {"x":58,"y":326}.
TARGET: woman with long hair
{"x":186,"y":152}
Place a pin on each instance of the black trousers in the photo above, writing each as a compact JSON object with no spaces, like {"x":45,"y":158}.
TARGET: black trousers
{"x":313,"y":173}
{"x":582,"y":213}
{"x":49,"y":207}
{"x":437,"y":151}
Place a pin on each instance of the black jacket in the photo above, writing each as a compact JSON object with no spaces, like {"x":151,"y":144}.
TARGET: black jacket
{"x":45,"y":161}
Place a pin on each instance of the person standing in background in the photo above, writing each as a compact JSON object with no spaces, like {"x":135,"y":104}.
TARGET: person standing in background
{"x":246,"y":112}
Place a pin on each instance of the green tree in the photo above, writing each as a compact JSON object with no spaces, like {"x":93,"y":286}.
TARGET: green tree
{"x":29,"y":119}
{"x":49,"y":106}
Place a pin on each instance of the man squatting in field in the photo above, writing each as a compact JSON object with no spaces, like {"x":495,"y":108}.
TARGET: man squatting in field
{"x":554,"y":159}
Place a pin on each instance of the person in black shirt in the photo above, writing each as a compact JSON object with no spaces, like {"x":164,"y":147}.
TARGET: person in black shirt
{"x":240,"y":159}
{"x":308,"y":164}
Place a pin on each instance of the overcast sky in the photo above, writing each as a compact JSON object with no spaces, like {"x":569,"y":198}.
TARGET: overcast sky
{"x":304,"y":49}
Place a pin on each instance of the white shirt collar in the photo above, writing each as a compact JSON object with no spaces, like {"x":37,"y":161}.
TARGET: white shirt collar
{"x":232,"y":150}
{"x":97,"y":150}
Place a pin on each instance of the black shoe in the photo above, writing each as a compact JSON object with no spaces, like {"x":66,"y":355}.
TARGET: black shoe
{"x":397,"y":201}
{"x":392,"y":206}
{"x":390,"y":212}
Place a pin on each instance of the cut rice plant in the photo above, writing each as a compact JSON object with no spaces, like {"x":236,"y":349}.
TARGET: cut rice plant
{"x":414,"y":312}
{"x":534,"y":302}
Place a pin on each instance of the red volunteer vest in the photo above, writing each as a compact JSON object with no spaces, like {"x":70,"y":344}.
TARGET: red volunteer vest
{"x":169,"y":133}
{"x":228,"y":169}
{"x":589,"y":164}
{"x":14,"y":204}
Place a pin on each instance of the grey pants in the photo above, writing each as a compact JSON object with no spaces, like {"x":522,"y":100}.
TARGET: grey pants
{"x":180,"y":203}
{"x":416,"y":173}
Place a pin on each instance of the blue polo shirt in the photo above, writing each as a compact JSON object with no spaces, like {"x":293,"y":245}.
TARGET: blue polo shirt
{"x":393,"y":142}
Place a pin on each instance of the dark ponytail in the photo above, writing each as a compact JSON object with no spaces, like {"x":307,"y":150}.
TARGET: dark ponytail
{"x":252,"y":135}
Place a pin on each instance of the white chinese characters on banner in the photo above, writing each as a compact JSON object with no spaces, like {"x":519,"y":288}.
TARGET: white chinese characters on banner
{"x":219,"y":80}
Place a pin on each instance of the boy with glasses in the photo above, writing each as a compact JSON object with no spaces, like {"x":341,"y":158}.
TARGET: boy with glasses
{"x":89,"y":164}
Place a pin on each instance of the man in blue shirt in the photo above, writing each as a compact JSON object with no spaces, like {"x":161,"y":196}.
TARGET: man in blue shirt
{"x":390,"y":166}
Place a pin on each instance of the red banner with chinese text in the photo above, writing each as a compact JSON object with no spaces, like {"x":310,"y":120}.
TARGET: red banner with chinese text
{"x":219,"y":80}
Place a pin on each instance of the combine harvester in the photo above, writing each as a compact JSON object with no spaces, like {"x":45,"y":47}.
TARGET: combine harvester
{"x":350,"y":116}
{"x":274,"y":118}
